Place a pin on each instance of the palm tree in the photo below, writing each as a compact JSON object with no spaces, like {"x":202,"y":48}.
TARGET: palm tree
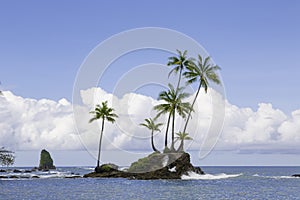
{"x":150,"y":124}
{"x":182,"y":136}
{"x":105,"y":113}
{"x":6,"y":157}
{"x":172,"y":104}
{"x":179,"y":64}
{"x":203,"y":72}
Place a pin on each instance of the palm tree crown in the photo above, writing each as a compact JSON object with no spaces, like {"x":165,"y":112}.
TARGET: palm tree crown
{"x":179,"y":64}
{"x":103,"y":112}
{"x":151,"y":125}
{"x":182,"y":136}
{"x":202,"y":71}
{"x":172,"y":103}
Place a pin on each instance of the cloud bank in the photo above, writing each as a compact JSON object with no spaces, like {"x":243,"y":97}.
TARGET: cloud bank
{"x":29,"y":124}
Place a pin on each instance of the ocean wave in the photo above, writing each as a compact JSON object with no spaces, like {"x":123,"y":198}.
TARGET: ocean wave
{"x":87,"y":168}
{"x":195,"y":176}
{"x":275,"y":177}
{"x":38,"y":174}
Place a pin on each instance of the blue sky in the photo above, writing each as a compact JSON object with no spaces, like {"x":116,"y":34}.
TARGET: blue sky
{"x":256,"y":43}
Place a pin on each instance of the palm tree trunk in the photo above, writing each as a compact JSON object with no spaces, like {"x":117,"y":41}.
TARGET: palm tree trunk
{"x":152,"y":142}
{"x":173,"y":120}
{"x":173,"y":130}
{"x":192,"y":106}
{"x":181,"y":146}
{"x":166,"y":136}
{"x":98,"y":161}
{"x":179,"y":79}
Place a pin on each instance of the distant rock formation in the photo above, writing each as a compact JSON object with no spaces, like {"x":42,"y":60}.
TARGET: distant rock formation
{"x":46,"y":162}
{"x":296,"y":175}
{"x":154,"y":166}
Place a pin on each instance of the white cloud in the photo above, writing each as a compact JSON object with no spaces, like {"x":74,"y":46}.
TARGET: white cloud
{"x":28,"y":124}
{"x":34,"y":124}
{"x":289,"y":130}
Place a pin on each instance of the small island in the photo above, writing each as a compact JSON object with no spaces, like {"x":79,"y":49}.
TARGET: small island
{"x":154,"y":166}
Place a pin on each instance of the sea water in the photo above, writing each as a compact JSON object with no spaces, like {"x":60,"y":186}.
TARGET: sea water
{"x":217,"y":183}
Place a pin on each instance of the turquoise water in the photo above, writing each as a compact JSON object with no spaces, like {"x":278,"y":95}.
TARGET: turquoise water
{"x":219,"y":183}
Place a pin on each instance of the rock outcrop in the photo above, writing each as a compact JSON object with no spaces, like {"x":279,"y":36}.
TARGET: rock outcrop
{"x":46,"y":162}
{"x":296,"y":175}
{"x":155,"y":166}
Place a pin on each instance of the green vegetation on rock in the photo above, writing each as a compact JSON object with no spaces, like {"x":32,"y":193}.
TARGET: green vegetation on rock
{"x":153,"y":162}
{"x":149,"y":163}
{"x":108,"y":167}
{"x":46,"y":161}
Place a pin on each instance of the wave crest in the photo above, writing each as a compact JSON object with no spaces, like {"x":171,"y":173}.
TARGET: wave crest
{"x":195,"y":176}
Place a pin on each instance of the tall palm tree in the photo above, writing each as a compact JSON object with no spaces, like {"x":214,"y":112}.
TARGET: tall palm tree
{"x":172,"y":104}
{"x":151,"y":125}
{"x":179,"y":64}
{"x":203,"y":72}
{"x":182,"y":136}
{"x":105,"y":113}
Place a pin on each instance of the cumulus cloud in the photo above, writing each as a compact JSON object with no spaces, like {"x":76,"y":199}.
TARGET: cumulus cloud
{"x":28,"y":124}
{"x":33,"y":124}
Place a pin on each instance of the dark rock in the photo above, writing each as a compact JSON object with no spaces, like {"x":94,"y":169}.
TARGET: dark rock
{"x":2,"y":170}
{"x":17,"y":171}
{"x":46,"y":162}
{"x":34,"y":169}
{"x":73,"y":177}
{"x":27,"y":177}
{"x":296,"y":175}
{"x":3,"y":177}
{"x":198,"y":170}
{"x":13,"y":176}
{"x":35,"y":177}
{"x":151,"y":167}
{"x":27,"y":171}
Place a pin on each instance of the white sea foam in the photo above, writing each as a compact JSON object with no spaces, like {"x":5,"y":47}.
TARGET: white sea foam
{"x":195,"y":176}
{"x":173,"y":169}
{"x":37,"y":174}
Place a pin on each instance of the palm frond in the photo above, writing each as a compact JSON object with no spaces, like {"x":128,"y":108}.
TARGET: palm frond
{"x":103,"y":111}
{"x":93,"y":119}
